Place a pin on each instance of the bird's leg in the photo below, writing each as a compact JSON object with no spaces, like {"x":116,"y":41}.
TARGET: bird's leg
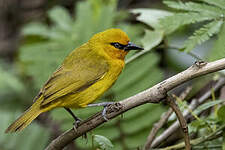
{"x":105,"y":105}
{"x":76,"y":119}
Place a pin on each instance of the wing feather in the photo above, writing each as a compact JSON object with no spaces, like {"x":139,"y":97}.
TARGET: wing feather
{"x":74,"y":76}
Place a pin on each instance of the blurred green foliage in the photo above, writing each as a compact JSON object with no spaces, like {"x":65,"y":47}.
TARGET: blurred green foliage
{"x":24,"y":140}
{"x":193,"y":12}
{"x":103,"y":142}
{"x":210,"y":14}
{"x":9,"y":82}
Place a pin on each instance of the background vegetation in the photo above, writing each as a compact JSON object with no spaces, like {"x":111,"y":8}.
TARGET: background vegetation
{"x":174,"y":35}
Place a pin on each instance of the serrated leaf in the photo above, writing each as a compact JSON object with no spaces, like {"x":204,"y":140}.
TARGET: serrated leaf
{"x":61,"y":18}
{"x":207,"y":105}
{"x":104,"y":143}
{"x":171,"y":23}
{"x":9,"y":82}
{"x":151,"y":16}
{"x":221,"y":113}
{"x":218,"y":50}
{"x":195,"y":7}
{"x":203,"y":34}
{"x":37,"y":29}
{"x":35,"y":54}
{"x":218,"y":3}
{"x":152,"y":39}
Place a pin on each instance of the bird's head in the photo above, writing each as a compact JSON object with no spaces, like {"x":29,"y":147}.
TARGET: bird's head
{"x":113,"y":42}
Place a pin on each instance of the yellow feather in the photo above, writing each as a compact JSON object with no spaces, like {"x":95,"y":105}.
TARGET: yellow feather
{"x":26,"y":118}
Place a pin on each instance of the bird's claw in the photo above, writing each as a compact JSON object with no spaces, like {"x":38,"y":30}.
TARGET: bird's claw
{"x":76,"y":124}
{"x":104,"y":113}
{"x":105,"y":110}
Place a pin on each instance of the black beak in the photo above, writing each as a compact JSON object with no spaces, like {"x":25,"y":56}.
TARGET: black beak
{"x":131,"y":46}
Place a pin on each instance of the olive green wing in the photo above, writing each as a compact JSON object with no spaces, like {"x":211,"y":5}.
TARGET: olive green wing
{"x":80,"y":75}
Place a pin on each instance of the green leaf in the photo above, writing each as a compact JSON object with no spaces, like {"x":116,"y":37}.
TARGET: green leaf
{"x":104,"y":143}
{"x":9,"y":82}
{"x":37,"y":29}
{"x":203,"y":34}
{"x":218,"y":3}
{"x":151,"y":16}
{"x":207,"y":105}
{"x":195,"y":7}
{"x":198,"y":123}
{"x":37,"y":65}
{"x":171,"y":23}
{"x":218,"y":50}
{"x":152,"y":39}
{"x":140,"y":117}
{"x":221,"y":113}
{"x":61,"y":18}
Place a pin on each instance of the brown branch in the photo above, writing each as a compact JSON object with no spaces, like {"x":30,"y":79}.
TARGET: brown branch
{"x":151,"y":95}
{"x":163,"y":120}
{"x":194,"y":104}
{"x":182,"y":121}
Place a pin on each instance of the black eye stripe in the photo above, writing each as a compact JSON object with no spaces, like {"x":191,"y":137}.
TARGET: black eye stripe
{"x":118,"y":45}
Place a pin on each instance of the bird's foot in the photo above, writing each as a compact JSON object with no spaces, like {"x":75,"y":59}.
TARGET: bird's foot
{"x":106,"y":105}
{"x":76,"y":124}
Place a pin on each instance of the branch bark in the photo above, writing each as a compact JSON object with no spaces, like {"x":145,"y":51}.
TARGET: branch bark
{"x":162,"y":121}
{"x":182,"y":121}
{"x":151,"y":95}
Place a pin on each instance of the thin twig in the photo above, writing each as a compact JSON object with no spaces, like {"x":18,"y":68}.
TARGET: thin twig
{"x":163,"y":120}
{"x":194,"y":104}
{"x":152,"y":95}
{"x":156,"y":127}
{"x":199,"y":140}
{"x":182,"y":121}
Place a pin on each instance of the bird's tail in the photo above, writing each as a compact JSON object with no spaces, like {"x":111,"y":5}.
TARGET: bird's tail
{"x":26,"y":118}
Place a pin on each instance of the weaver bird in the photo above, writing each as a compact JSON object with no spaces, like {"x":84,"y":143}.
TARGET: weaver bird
{"x":85,"y":74}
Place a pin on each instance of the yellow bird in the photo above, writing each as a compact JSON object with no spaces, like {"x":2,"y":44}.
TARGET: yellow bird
{"x":85,"y":74}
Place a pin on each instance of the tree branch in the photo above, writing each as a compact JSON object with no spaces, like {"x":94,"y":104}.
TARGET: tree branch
{"x":151,"y":95}
{"x":163,"y":120}
{"x":182,"y":121}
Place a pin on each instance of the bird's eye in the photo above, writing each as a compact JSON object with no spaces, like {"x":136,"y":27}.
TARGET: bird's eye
{"x":118,"y":45}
